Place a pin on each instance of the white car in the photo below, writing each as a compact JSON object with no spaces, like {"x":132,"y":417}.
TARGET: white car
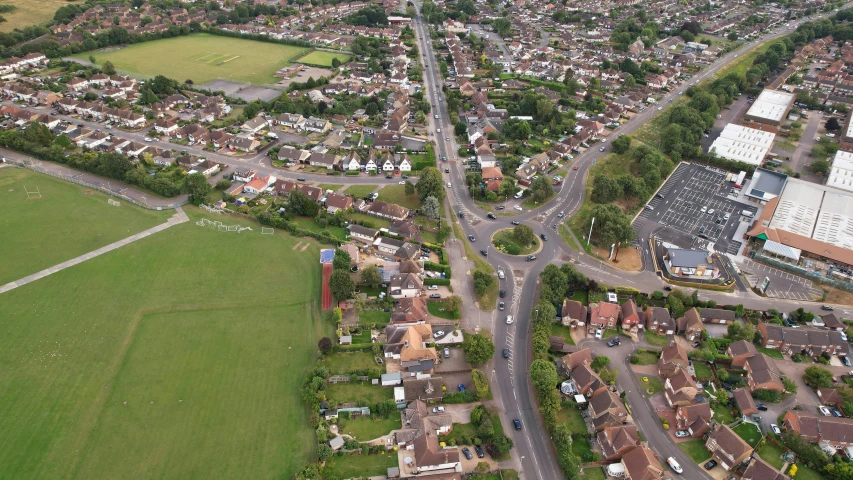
{"x":518,"y":207}
{"x":682,"y":433}
{"x":598,"y":333}
{"x":674,"y":465}
{"x":825,"y":411}
{"x":501,"y":274}
{"x":432,"y":287}
{"x":438,"y":410}
{"x":509,"y":319}
{"x":401,"y":182}
{"x":438,"y":334}
{"x":149,"y":139}
{"x":775,"y":429}
{"x":448,"y":185}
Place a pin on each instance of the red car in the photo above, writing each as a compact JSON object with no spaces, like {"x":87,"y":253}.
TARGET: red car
{"x":576,"y":167}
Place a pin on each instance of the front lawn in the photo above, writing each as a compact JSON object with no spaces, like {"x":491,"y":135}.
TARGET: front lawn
{"x":361,"y":393}
{"x":748,"y":432}
{"x":571,"y":417}
{"x":771,"y":353}
{"x":703,"y":371}
{"x":397,"y":194}
{"x":367,"y":428}
{"x":436,"y":309}
{"x":343,"y":362}
{"x":657,"y":340}
{"x":723,"y":413}
{"x":646,"y":358}
{"x":360,"y":191}
{"x":695,"y":449}
{"x":594,"y":473}
{"x":560,"y":330}
{"x":460,"y":430}
{"x":650,"y":382}
{"x":359,"y":466}
{"x":772,"y":454}
{"x":330,"y":186}
{"x":580,"y":296}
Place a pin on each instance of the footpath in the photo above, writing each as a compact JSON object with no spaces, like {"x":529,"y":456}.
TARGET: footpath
{"x":176,"y":219}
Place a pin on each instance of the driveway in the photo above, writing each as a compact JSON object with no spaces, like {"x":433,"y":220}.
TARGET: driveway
{"x":460,"y":413}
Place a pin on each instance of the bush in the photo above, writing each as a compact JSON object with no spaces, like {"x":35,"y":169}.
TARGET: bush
{"x":634,"y":359}
{"x":437,"y":281}
{"x":767,"y":395}
{"x":512,"y":249}
{"x":460,"y":397}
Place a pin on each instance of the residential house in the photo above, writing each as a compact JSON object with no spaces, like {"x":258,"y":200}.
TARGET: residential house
{"x":833,"y":431}
{"x":574,"y":360}
{"x":259,"y":185}
{"x":606,"y":405}
{"x":166,"y":126}
{"x":293,"y":155}
{"x":690,"y":324}
{"x":758,"y":469}
{"x":336,"y":201}
{"x":573,"y":313}
{"x":603,"y":315}
{"x":419,"y":433}
{"x":405,"y":229}
{"x":745,"y":402}
{"x":243,"y":144}
{"x":363,"y":234}
{"x":832,"y":322}
{"x":617,"y":441}
{"x":740,"y":351}
{"x":409,"y":311}
{"x":672,"y":358}
{"x":318,"y":125}
{"x":679,"y":388}
{"x":324,"y":160}
{"x":405,"y":285}
{"x":761,"y":374}
{"x":585,"y":380}
{"x":717,"y":315}
{"x":641,"y":464}
{"x":830,"y":396}
{"x":291,"y":120}
{"x":409,"y":345}
{"x":206,"y":168}
{"x":658,"y":320}
{"x":695,"y":419}
{"x":726,"y":447}
{"x":254,"y":125}
{"x":430,"y":389}
{"x":630,"y":315}
{"x":386,"y":210}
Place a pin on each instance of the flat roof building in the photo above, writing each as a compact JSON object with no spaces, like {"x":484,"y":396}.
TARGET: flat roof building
{"x":770,"y":108}
{"x":743,"y":144}
{"x":841,"y":174}
{"x":765,"y":185}
{"x":846,"y":136}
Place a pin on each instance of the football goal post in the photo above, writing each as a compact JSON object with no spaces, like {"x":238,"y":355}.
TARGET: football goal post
{"x":32,"y":193}
{"x":267,"y":231}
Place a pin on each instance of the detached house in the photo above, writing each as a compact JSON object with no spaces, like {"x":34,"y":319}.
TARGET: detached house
{"x":641,"y":464}
{"x":672,"y":358}
{"x":574,"y":360}
{"x":603,"y":315}
{"x":679,"y":388}
{"x":740,"y":351}
{"x":363,"y":234}
{"x":745,"y":402}
{"x":617,"y":441}
{"x":405,"y":285}
{"x":727,"y":448}
{"x":691,"y":324}
{"x":630,"y":315}
{"x":658,"y":320}
{"x":408,"y":343}
{"x":573,"y":313}
{"x":695,"y":419}
{"x":606,"y":409}
{"x":760,"y":374}
{"x":758,"y":469}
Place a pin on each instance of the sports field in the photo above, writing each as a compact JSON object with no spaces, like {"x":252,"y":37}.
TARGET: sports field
{"x":323,"y":59}
{"x":64,"y":221}
{"x":202,"y":57}
{"x":30,"y":12}
{"x":178,"y":356}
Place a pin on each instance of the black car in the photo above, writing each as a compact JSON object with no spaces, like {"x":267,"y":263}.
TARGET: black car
{"x":502,"y":293}
{"x":479,"y":450}
{"x":543,"y":237}
{"x":499,"y":207}
{"x":696,"y":344}
{"x":530,"y":258}
{"x":461,"y":215}
{"x":826,"y":307}
{"x":517,"y":423}
{"x":515,"y":222}
{"x":301,"y":179}
{"x":389,"y":176}
{"x":668,"y":288}
{"x":711,"y":464}
{"x":485,"y":253}
{"x":446,"y":170}
{"x":491,"y":215}
{"x":471,"y":238}
{"x":435,"y":295}
{"x":506,"y":353}
{"x":467,"y":453}
{"x":761,"y":407}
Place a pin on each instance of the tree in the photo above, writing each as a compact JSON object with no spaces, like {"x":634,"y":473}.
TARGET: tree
{"x":481,"y":384}
{"x":325,"y":345}
{"x":197,"y":187}
{"x":817,"y":377}
{"x":832,"y":124}
{"x":820,"y":166}
{"x":600,"y":362}
{"x":523,"y":234}
{"x":92,"y":59}
{"x":148,"y":97}
{"x":732,"y":37}
{"x":542,"y":189}
{"x":790,"y":385}
{"x":336,"y":62}
{"x":430,"y":184}
{"x":502,"y":26}
{"x":324,"y":451}
{"x":544,"y":377}
{"x":301,"y":204}
{"x":507,"y":187}
{"x":341,"y":285}
{"x":478,"y":349}
{"x":611,"y":225}
{"x":108,"y":68}
{"x":574,"y":278}
{"x":622,"y":144}
{"x":430,"y":207}
{"x":453,"y":303}
{"x":482,"y":282}
{"x":605,"y":189}
{"x":420,"y":116}
{"x":460,"y":128}
{"x":371,"y":277}
{"x":554,"y":284}
{"x":409,"y":188}
{"x":342,"y":260}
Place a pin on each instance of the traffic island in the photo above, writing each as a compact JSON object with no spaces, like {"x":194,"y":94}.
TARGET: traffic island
{"x":505,"y":241}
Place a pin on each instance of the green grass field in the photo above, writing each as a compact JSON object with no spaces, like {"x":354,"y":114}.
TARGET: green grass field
{"x":31,"y":12}
{"x":771,"y":454}
{"x":646,"y":358}
{"x":362,"y":393}
{"x":748,"y":432}
{"x":167,"y":358}
{"x":369,"y":428}
{"x":696,"y":450}
{"x":323,"y":59}
{"x":359,"y":466}
{"x":572,"y":418}
{"x":202,"y":57}
{"x":65,"y":222}
{"x":656,"y":340}
{"x":343,"y":362}
{"x":652,"y":384}
{"x":397,"y":194}
{"x":360,"y":191}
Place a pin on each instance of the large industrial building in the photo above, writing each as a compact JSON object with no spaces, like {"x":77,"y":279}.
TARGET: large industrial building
{"x":769,"y":110}
{"x":845,"y":140}
{"x":841,"y":173}
{"x":764,"y":186}
{"x":807,"y":220}
{"x":743,"y":144}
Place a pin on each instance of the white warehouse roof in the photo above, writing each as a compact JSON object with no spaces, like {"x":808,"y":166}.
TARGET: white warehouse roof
{"x":743,"y":144}
{"x":771,"y":105}
{"x":841,"y":173}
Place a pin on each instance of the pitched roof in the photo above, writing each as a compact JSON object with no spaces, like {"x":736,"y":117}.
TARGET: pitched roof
{"x":758,"y":469}
{"x":742,"y":347}
{"x":642,"y":464}
{"x":729,"y":443}
{"x":762,"y":370}
{"x":744,"y":401}
{"x":576,"y":359}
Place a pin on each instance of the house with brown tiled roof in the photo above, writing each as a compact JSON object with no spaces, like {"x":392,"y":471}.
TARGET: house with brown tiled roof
{"x":834,"y":431}
{"x":761,"y":374}
{"x":758,"y":469}
{"x":679,"y":388}
{"x":717,"y":315}
{"x":603,"y":315}
{"x":641,"y":464}
{"x":336,"y":201}
{"x":690,"y":324}
{"x":726,"y":447}
{"x":409,"y":310}
{"x":745,"y":402}
{"x":419,"y":434}
{"x":574,"y":313}
{"x":695,"y":419}
{"x":740,"y":351}
{"x":617,"y":441}
{"x":630,"y":314}
{"x":607,"y":402}
{"x":832,"y":322}
{"x":830,"y":396}
{"x":658,"y":320}
{"x":672,"y":358}
{"x":410,"y":345}
{"x":571,"y":361}
{"x":585,"y":380}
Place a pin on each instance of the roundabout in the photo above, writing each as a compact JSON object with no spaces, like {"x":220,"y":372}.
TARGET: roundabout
{"x":507,"y":241}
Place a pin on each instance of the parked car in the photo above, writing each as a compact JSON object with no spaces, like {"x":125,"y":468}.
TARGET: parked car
{"x":761,"y":407}
{"x":438,"y":410}
{"x":674,"y":465}
{"x":598,"y":334}
{"x":711,"y":464}
{"x":825,"y":411}
{"x":501,"y":306}
{"x":682,"y":433}
{"x":845,"y":360}
{"x":836,"y":413}
{"x":517,"y":423}
{"x":696,"y":344}
{"x":439,"y":333}
{"x":775,"y":429}
{"x":435,"y":295}
{"x":432,"y":287}
{"x":613,"y":342}
{"x":479,"y":450}
{"x":467,"y":453}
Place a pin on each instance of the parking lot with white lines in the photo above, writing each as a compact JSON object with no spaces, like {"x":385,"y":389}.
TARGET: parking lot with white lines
{"x":782,"y":284}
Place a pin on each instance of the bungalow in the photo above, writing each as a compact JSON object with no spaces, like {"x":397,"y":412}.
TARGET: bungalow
{"x":243,"y":144}
{"x":717,"y":315}
{"x":294,"y":155}
{"x":726,"y":447}
{"x":336,"y":201}
{"x":363,"y":234}
{"x":318,"y":125}
{"x":259,"y":185}
{"x":430,"y":389}
{"x":206,"y":168}
{"x":291,"y":120}
{"x":324,"y":160}
{"x":603,"y":315}
{"x":695,"y":419}
{"x":254,"y":125}
{"x":390,"y":211}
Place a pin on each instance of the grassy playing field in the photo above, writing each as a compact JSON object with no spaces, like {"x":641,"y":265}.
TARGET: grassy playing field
{"x":65,"y":222}
{"x":30,"y":12}
{"x":202,"y":58}
{"x":177,"y":356}
{"x":323,"y":59}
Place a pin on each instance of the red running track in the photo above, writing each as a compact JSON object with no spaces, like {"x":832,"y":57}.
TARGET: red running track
{"x":326,"y":301}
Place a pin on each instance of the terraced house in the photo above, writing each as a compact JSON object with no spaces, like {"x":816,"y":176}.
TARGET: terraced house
{"x":809,"y":341}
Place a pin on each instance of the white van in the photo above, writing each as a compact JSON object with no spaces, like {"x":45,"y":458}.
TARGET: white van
{"x":747,"y":213}
{"x":518,"y":195}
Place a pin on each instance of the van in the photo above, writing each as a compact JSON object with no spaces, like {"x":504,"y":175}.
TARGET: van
{"x":747,"y":213}
{"x":518,"y":195}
